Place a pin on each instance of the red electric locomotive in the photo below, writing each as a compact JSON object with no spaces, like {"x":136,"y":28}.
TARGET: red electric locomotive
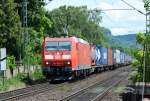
{"x":65,"y":58}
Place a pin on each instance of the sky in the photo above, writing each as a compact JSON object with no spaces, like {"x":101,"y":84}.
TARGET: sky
{"x":118,"y":21}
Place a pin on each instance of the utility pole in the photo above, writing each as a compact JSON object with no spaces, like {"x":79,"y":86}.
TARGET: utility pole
{"x":25,"y":35}
{"x":146,"y":62}
{"x":146,"y":67}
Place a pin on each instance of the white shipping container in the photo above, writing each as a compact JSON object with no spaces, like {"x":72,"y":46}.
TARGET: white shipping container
{"x":117,"y":56}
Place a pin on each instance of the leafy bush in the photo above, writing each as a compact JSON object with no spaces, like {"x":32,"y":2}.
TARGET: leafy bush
{"x":35,"y":59}
{"x":3,"y":87}
{"x":11,"y":63}
{"x":133,"y":76}
{"x":11,"y":84}
{"x":21,"y":76}
{"x":37,"y":75}
{"x":135,"y":63}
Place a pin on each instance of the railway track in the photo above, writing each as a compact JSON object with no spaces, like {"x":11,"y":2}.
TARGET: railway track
{"x":96,"y":91}
{"x":25,"y":92}
{"x":103,"y":86}
{"x":28,"y":91}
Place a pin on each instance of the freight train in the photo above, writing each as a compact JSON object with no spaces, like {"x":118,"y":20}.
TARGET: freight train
{"x":69,"y":58}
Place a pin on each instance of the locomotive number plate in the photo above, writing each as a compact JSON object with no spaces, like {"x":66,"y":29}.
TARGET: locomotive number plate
{"x":57,"y":57}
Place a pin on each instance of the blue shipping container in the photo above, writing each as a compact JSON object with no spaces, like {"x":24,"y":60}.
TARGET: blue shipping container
{"x":101,"y":55}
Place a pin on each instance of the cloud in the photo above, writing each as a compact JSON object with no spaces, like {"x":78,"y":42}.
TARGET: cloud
{"x":119,"y":31}
{"x":115,"y":15}
{"x":119,"y":22}
{"x":122,"y":14}
{"x":126,"y":30}
{"x":123,"y":22}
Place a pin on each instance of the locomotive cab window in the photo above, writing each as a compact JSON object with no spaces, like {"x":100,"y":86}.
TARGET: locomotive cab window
{"x":64,"y":46}
{"x":51,"y":46}
{"x":58,"y":46}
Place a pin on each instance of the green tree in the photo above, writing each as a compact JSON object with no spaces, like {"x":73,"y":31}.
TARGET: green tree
{"x":11,"y":64}
{"x":143,"y":54}
{"x":10,"y":27}
{"x":38,"y":23}
{"x":78,"y":21}
{"x":147,"y":40}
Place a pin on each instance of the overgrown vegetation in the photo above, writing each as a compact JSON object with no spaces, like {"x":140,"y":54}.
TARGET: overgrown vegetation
{"x":11,"y":83}
{"x":141,"y":54}
{"x":142,"y":57}
{"x":10,"y":27}
{"x":21,"y":80}
{"x":11,"y":63}
{"x":76,"y":21}
{"x":37,"y":75}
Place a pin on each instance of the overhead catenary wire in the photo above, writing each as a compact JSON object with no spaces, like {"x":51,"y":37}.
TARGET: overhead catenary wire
{"x":122,"y":9}
{"x":115,"y":9}
{"x":133,"y":7}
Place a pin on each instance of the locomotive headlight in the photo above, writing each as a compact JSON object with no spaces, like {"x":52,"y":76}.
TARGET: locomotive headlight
{"x":47,"y":63}
{"x":68,"y":63}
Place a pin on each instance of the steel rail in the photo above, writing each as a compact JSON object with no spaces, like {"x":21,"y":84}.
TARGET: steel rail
{"x":105,"y":92}
{"x":42,"y":88}
{"x":98,"y":96}
{"x":100,"y":83}
{"x":24,"y":92}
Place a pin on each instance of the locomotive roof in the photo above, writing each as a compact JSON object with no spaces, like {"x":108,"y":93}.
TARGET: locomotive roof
{"x":79,"y":40}
{"x":56,"y":39}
